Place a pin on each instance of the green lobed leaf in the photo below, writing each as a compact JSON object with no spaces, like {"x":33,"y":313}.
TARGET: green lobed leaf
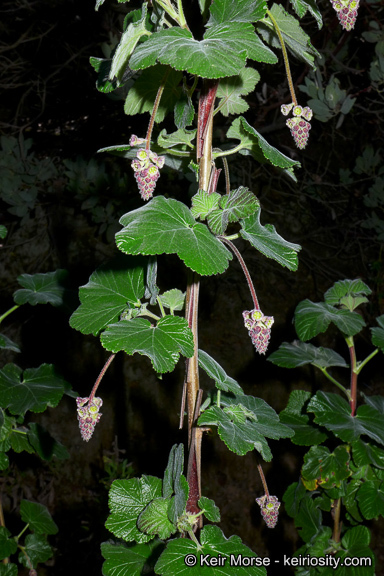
{"x":371,"y":499}
{"x":258,"y":147}
{"x":38,"y":517}
{"x":334,"y":413}
{"x":213,"y":544}
{"x":355,"y":544}
{"x":378,"y":333}
{"x":267,"y":241}
{"x":327,"y":468}
{"x":134,"y":560}
{"x":46,"y":288}
{"x":301,"y":7}
{"x":203,"y":203}
{"x":44,"y":444}
{"x":143,"y":93}
{"x":180,"y":137}
{"x":34,"y":390}
{"x":347,"y":293}
{"x":376,"y":402}
{"x":8,"y":545}
{"x":179,"y":500}
{"x":8,"y":570}
{"x":232,"y":207}
{"x":162,"y":343}
{"x":218,"y":374}
{"x":367,"y":453}
{"x":222,"y":11}
{"x":231,"y":91}
{"x":312,"y":318}
{"x":295,"y":416}
{"x":111,"y":289}
{"x":154,"y":521}
{"x":308,"y":520}
{"x":350,"y":501}
{"x":20,"y":441}
{"x":222,"y":52}
{"x":173,"y":470}
{"x":168,"y":226}
{"x":211,"y":511}
{"x":127,"y":44}
{"x":7,"y":344}
{"x":37,"y":550}
{"x":103,"y":67}
{"x":173,"y":299}
{"x":299,"y":354}
{"x":127,"y":499}
{"x":295,"y":39}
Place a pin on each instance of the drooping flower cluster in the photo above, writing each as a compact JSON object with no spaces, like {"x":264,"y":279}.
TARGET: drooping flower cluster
{"x":298,"y":124}
{"x":146,"y":166}
{"x":269,"y":509}
{"x":346,"y":11}
{"x":88,"y":416}
{"x":259,"y":327}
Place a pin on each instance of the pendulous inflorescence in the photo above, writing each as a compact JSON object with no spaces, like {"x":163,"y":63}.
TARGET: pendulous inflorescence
{"x":146,"y":167}
{"x":299,"y":124}
{"x":88,"y":415}
{"x":269,"y":509}
{"x":259,"y":328}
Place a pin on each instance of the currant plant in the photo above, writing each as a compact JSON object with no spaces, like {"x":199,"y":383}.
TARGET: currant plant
{"x":341,"y":484}
{"x":22,"y":392}
{"x":165,"y":70}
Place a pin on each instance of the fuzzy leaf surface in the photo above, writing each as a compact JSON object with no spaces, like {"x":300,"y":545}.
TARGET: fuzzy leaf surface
{"x":299,"y":354}
{"x":41,"y":288}
{"x":312,"y":318}
{"x":214,"y":543}
{"x":222,"y":52}
{"x":154,"y":519}
{"x":34,"y":390}
{"x":218,"y":374}
{"x":111,"y":289}
{"x":211,"y":511}
{"x":253,"y":143}
{"x":240,"y":11}
{"x":37,"y":549}
{"x":143,"y":93}
{"x":127,"y":499}
{"x":168,"y":226}
{"x":180,"y":137}
{"x":173,"y":299}
{"x":232,"y":207}
{"x":203,"y":203}
{"x":295,"y":416}
{"x":334,"y":413}
{"x":231,"y":91}
{"x":37,"y":516}
{"x":301,"y":7}
{"x":267,"y":241}
{"x":121,"y":560}
{"x":347,"y":293}
{"x":173,"y":470}
{"x":162,"y":343}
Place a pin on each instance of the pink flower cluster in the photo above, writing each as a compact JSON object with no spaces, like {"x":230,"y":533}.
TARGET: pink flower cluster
{"x":346,"y":11}
{"x":259,"y":327}
{"x":269,"y":509}
{"x":146,"y":166}
{"x":298,"y":124}
{"x":88,"y":416}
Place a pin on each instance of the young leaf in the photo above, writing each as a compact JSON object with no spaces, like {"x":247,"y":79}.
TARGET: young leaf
{"x":179,"y":500}
{"x":8,"y":545}
{"x":168,"y":226}
{"x":299,"y":354}
{"x":154,"y":521}
{"x":231,"y":91}
{"x":134,"y":560}
{"x":111,"y":289}
{"x":258,"y":147}
{"x":203,"y":203}
{"x":222,"y":52}
{"x":184,"y":111}
{"x":34,"y":390}
{"x":223,"y":11}
{"x":180,"y":137}
{"x":312,"y":318}
{"x":142,"y":95}
{"x":161,"y":343}
{"x":46,"y":288}
{"x":151,"y":289}
{"x":37,"y":516}
{"x":295,"y":39}
{"x":269,"y":242}
{"x":211,"y":511}
{"x":173,"y":299}
{"x":37,"y":550}
{"x":173,"y":470}
{"x":348,"y":294}
{"x":218,"y":374}
{"x":232,"y":207}
{"x":127,"y":499}
{"x":371,"y":499}
{"x":213,"y":544}
{"x":7,"y":344}
{"x":127,"y":44}
{"x":294,"y":416}
{"x":334,"y":413}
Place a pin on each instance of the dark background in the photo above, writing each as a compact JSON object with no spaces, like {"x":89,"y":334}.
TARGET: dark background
{"x":48,"y":95}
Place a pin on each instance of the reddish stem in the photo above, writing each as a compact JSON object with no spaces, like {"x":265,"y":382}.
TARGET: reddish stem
{"x":100,"y":377}
{"x":263,"y":480}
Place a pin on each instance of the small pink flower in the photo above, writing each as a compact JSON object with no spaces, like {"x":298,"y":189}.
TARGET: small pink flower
{"x":259,"y":328}
{"x":346,"y":11}
{"x":88,"y":415}
{"x":269,"y":509}
{"x":135,"y":141}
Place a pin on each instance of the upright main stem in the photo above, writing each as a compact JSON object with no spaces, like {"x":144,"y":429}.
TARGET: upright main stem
{"x":353,"y":386}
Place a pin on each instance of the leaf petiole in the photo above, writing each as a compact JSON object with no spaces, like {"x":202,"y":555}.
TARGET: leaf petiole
{"x":360,"y":365}
{"x":8,"y":312}
{"x":335,"y":382}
